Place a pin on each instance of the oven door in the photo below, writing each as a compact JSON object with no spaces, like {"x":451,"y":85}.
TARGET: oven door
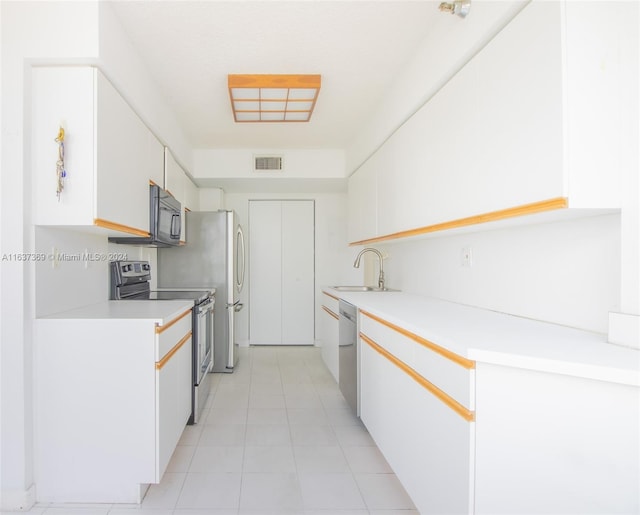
{"x":204,"y":350}
{"x":202,"y":358}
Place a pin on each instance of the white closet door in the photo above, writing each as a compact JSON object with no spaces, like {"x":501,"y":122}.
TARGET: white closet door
{"x":297,"y":272}
{"x":265,"y":265}
{"x":281,"y":284}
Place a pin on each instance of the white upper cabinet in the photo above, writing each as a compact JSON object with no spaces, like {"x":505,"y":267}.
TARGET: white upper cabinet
{"x":536,"y":115}
{"x":191,"y":195}
{"x":174,"y":176}
{"x":363,"y":213}
{"x":109,"y":154}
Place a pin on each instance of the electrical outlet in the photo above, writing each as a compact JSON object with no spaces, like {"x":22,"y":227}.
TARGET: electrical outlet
{"x":466,"y":258}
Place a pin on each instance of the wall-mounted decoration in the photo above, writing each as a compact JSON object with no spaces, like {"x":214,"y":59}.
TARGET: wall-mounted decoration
{"x":61,"y":171}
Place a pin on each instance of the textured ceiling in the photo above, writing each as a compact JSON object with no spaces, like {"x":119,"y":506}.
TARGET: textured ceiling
{"x":357,"y":46}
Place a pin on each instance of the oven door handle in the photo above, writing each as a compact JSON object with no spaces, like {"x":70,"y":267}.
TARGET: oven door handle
{"x":204,"y":307}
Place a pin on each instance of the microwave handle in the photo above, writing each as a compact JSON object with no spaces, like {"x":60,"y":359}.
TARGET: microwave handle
{"x":175,"y":225}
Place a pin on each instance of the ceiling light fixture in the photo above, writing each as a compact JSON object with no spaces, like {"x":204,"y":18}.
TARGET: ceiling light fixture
{"x":273,"y":98}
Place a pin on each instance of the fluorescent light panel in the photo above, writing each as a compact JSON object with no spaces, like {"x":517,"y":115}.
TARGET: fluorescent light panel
{"x":273,"y":98}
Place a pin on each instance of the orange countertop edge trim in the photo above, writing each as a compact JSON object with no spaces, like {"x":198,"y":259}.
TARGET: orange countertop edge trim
{"x":456,"y":358}
{"x":173,"y":350}
{"x":162,"y":328}
{"x":465,"y":413}
{"x":329,"y":295}
{"x":331,"y":312}
{"x":106,"y":224}
{"x":492,"y":216}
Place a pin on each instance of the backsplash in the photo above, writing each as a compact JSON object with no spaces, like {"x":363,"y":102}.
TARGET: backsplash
{"x":74,"y":270}
{"x":564,"y":272}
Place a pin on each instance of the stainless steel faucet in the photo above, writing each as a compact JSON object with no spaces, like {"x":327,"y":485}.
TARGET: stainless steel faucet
{"x":356,"y":264}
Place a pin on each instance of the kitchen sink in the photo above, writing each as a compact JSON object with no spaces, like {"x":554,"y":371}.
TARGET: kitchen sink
{"x":361,"y":288}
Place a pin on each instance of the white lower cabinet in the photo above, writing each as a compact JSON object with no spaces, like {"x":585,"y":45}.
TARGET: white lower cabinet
{"x":426,"y":435}
{"x":551,"y":443}
{"x":112,"y":397}
{"x":173,"y":393}
{"x":472,"y":437}
{"x":329,"y":333}
{"x":428,"y":446}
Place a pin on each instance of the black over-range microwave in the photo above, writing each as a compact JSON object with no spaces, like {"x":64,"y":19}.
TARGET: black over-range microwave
{"x":165,"y":221}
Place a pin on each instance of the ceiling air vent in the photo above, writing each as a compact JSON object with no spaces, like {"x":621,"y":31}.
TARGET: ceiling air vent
{"x":267,"y":163}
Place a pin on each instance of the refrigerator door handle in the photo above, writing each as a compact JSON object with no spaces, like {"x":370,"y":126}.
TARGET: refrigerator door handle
{"x":240,"y":259}
{"x":231,"y":336}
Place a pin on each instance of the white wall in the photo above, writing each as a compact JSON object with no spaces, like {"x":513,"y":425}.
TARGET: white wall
{"x":333,"y":257}
{"x":297,"y":163}
{"x":65,"y":33}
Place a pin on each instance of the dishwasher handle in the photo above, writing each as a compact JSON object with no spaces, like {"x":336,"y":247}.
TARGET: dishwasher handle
{"x":348,"y":311}
{"x":348,"y":316}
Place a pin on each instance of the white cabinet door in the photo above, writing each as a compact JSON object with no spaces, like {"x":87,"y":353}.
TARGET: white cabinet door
{"x":491,"y":138}
{"x":155,"y":160}
{"x":122,"y":186}
{"x":281,"y":268}
{"x":173,"y":401}
{"x":174,"y":177}
{"x":329,"y":334}
{"x":362,"y":209}
{"x":427,"y":444}
{"x":297,"y":272}
{"x":191,"y":195}
{"x":416,"y":400}
{"x":63,"y":96}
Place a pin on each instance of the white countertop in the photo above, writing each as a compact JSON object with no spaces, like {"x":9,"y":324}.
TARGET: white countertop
{"x":157,"y":311}
{"x":501,"y":339}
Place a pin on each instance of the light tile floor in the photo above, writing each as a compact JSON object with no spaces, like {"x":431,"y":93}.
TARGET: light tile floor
{"x":277,"y":437}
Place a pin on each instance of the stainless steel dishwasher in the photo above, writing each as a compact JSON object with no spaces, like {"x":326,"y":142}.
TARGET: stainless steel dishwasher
{"x":348,"y":353}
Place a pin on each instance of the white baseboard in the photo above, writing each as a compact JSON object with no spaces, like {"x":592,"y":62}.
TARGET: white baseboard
{"x":18,"y":500}
{"x":624,"y":329}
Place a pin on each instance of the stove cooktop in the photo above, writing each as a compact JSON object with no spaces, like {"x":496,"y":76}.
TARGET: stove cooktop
{"x":197,"y":296}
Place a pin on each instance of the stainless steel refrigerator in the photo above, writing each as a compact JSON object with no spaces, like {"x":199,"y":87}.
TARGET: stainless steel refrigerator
{"x":213,"y":257}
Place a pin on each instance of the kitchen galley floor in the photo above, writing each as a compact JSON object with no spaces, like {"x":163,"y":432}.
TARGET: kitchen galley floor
{"x":277,"y":437}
